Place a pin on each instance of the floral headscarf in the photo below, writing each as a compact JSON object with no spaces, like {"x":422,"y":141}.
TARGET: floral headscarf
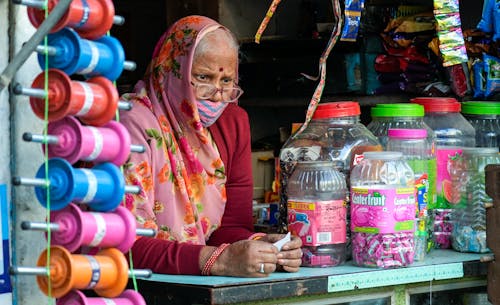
{"x":182,"y":176}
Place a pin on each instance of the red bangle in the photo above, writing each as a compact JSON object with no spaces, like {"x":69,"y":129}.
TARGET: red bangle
{"x":211,"y":260}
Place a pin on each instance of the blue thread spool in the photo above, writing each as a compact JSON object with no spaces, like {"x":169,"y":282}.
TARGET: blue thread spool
{"x":102,"y":188}
{"x":72,"y":54}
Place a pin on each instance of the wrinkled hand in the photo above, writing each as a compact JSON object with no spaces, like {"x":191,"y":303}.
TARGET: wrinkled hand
{"x":290,"y":256}
{"x":244,"y":259}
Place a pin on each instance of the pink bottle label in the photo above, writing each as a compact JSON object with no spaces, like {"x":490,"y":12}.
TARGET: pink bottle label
{"x":446,"y":197}
{"x":376,"y":210}
{"x":318,"y":223}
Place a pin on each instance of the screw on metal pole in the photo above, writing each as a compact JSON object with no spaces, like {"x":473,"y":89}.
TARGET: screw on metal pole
{"x":142,"y":273}
{"x":145,"y":232}
{"x":49,"y":139}
{"x":28,"y":270}
{"x":30,"y":181}
{"x":31,"y":3}
{"x":137,"y":148}
{"x":124,"y":105}
{"x":129,"y":65}
{"x":118,"y":20}
{"x":33,"y":92}
{"x":49,"y":50}
{"x":133,"y":189}
{"x":40,"y":226}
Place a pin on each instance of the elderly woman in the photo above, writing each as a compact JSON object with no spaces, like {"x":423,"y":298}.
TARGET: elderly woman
{"x":196,"y":175}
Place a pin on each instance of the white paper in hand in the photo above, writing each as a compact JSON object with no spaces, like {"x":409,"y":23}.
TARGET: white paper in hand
{"x":282,"y":241}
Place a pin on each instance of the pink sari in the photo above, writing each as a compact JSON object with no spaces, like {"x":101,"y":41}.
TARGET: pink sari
{"x":181,"y":175}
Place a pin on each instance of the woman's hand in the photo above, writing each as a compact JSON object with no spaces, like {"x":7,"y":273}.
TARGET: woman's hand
{"x":290,"y":256}
{"x":247,"y":258}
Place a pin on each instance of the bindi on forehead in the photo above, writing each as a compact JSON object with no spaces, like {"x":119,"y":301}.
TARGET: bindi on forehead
{"x":221,"y":69}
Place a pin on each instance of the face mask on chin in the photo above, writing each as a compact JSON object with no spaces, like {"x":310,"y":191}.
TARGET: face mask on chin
{"x":209,"y":111}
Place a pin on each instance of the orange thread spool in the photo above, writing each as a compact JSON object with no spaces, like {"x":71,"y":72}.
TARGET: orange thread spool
{"x":106,"y":273}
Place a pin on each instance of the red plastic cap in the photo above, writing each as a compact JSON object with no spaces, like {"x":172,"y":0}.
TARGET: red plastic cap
{"x":337,"y":110}
{"x":438,"y":104}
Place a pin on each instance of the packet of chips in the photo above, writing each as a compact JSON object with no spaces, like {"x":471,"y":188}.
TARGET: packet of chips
{"x":352,"y":17}
{"x":486,"y":22}
{"x":492,"y":72}
{"x":479,"y":78}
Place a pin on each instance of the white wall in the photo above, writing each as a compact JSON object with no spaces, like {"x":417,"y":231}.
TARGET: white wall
{"x":18,"y":157}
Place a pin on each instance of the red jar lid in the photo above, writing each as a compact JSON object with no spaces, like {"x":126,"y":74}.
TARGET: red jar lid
{"x":337,"y":110}
{"x":438,"y":104}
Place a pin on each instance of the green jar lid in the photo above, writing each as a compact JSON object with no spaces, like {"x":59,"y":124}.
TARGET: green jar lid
{"x":397,"y":110}
{"x":480,"y":107}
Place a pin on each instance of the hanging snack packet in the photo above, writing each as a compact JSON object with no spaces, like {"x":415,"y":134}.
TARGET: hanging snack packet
{"x":445,"y":6}
{"x":496,"y":20}
{"x":459,"y":77}
{"x":486,"y":22}
{"x":492,"y":72}
{"x":479,"y":78}
{"x":352,"y":13}
{"x":447,"y":21}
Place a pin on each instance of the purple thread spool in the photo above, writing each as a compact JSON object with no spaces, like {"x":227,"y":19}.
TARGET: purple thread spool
{"x":76,"y":297}
{"x":110,"y":143}
{"x":105,"y":230}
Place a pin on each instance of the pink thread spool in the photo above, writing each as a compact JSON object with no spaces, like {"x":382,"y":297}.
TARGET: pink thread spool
{"x":76,"y":297}
{"x":110,"y":143}
{"x":94,"y":101}
{"x":105,"y":230}
{"x":90,"y":18}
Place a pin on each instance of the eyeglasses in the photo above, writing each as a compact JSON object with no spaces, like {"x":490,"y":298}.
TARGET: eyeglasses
{"x":207,"y":91}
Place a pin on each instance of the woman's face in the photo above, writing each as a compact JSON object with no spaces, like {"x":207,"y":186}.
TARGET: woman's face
{"x":216,"y":66}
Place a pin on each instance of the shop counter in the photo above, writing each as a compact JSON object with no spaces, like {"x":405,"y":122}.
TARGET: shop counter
{"x":441,"y":271}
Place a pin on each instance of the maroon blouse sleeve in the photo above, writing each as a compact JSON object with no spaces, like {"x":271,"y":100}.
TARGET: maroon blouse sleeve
{"x":162,"y":256}
{"x":231,"y":133}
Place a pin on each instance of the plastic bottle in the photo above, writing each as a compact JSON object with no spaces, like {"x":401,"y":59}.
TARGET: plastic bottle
{"x":453,"y":132}
{"x":469,"y":183}
{"x":317,"y":212}
{"x":383,"y":211}
{"x":417,"y":151}
{"x":485,"y":118}
{"x":402,"y":116}
{"x":335,"y":134}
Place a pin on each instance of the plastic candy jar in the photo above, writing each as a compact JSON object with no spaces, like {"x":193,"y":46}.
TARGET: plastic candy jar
{"x":335,"y":134}
{"x":485,"y":118}
{"x":317,"y":212}
{"x":383,"y":211}
{"x":469,"y":182}
{"x":399,"y":115}
{"x":453,"y":132}
{"x":417,"y":151}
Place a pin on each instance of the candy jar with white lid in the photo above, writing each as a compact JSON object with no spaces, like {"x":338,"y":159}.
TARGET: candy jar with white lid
{"x":317,"y":212}
{"x":383,"y":211}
